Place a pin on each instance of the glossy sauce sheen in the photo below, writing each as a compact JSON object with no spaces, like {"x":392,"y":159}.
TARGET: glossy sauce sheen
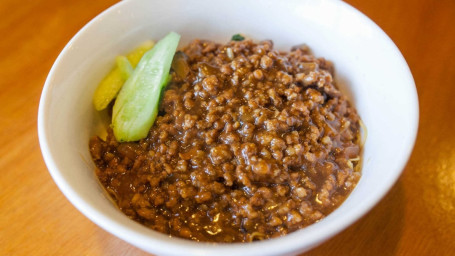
{"x":250,"y":144}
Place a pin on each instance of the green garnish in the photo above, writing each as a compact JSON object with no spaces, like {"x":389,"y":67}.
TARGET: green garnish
{"x":136,"y":106}
{"x":237,"y":37}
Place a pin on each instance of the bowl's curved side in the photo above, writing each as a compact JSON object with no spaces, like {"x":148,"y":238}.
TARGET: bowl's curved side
{"x":380,"y":81}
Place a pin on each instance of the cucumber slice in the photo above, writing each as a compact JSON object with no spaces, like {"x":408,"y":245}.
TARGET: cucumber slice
{"x":109,"y":87}
{"x":124,"y":66}
{"x":136,"y":106}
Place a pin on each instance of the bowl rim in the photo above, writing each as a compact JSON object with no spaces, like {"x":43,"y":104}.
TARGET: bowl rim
{"x":163,"y":244}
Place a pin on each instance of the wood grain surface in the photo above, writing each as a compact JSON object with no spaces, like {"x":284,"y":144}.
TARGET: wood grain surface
{"x":417,"y":217}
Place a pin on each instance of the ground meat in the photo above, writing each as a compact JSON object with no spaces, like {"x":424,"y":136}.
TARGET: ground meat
{"x":251,"y":143}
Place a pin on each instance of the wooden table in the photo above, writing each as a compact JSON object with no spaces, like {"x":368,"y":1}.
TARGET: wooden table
{"x":417,"y":217}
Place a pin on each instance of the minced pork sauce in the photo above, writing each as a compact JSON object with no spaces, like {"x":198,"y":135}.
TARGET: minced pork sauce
{"x":250,"y":143}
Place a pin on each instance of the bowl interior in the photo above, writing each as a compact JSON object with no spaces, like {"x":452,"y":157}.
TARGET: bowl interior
{"x":368,"y":67}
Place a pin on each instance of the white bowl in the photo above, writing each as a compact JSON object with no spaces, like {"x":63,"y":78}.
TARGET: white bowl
{"x":368,"y":66}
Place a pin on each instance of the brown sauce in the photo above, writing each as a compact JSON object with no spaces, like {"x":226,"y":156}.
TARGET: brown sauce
{"x":250,"y":143}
